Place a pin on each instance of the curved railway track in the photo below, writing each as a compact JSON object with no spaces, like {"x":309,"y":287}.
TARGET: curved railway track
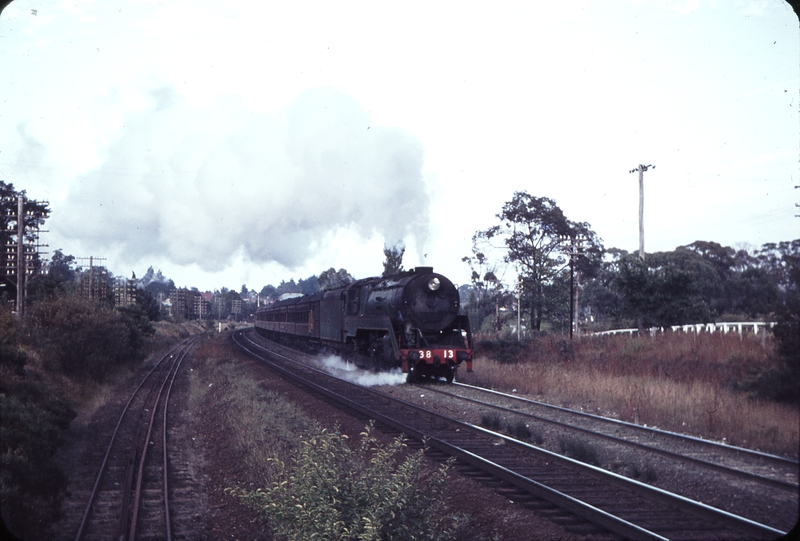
{"x":130,"y":495}
{"x":579,"y":495}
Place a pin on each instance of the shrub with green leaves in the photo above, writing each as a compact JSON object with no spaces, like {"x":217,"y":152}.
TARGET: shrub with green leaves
{"x":31,"y":483}
{"x":333,"y":492}
{"x":81,"y":338}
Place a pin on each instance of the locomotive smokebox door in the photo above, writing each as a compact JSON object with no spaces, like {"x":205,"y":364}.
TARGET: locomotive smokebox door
{"x":431,"y":301}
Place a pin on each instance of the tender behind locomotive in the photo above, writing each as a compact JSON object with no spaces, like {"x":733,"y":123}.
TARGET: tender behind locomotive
{"x":408,"y":320}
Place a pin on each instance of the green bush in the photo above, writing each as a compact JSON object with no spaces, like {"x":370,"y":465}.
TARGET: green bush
{"x":31,"y":484}
{"x":333,"y":492}
{"x":82,"y":338}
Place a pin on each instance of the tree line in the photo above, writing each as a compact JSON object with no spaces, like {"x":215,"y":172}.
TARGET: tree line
{"x":538,"y":261}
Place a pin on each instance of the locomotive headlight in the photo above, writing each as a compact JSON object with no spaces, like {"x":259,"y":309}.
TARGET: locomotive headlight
{"x":433,"y":284}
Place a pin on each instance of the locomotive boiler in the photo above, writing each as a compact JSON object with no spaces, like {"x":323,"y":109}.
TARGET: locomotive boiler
{"x":409,"y":320}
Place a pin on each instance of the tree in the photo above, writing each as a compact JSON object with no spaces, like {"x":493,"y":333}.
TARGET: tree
{"x":534,"y":231}
{"x":149,"y":304}
{"x":60,"y":277}
{"x":333,"y":279}
{"x":309,"y":286}
{"x":268,"y":292}
{"x":287,"y":287}
{"x":85,"y":339}
{"x":148,"y":277}
{"x":787,"y":331}
{"x":394,"y":259}
{"x":487,"y":292}
{"x":666,"y":289}
{"x":158,"y":284}
{"x":783,"y":382}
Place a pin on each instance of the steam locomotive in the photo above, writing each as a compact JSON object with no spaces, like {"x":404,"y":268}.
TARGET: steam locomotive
{"x":408,"y":320}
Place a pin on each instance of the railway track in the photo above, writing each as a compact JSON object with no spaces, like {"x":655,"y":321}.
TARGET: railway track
{"x":766,"y":469}
{"x":585,"y":498}
{"x":130,"y":495}
{"x":766,"y":485}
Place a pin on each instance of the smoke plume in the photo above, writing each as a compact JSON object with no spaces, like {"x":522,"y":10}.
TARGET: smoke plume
{"x":337,"y":367}
{"x":203,"y":184}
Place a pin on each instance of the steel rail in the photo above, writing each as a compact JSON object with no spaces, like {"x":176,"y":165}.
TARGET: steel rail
{"x":577,"y":507}
{"x":145,"y":445}
{"x":725,"y":446}
{"x":102,"y":469}
{"x":779,"y":483}
{"x":164,"y":446}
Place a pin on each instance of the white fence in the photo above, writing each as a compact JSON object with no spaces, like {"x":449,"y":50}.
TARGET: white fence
{"x":754,"y":327}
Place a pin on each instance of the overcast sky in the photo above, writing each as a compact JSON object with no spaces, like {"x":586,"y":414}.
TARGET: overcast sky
{"x":250,"y":142}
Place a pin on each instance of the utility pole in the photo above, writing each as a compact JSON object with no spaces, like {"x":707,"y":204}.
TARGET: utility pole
{"x":91,"y":288}
{"x":641,"y":169}
{"x":519,"y":308}
{"x":21,"y":262}
{"x":574,"y":250}
{"x":27,"y":254}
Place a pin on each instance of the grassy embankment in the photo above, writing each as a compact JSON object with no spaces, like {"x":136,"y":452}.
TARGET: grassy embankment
{"x":88,"y":394}
{"x":309,"y":480}
{"x":687,"y":383}
{"x":56,"y":368}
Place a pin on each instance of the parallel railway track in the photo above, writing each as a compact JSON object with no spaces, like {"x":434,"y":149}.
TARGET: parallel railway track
{"x":766,"y":469}
{"x":765,"y":485}
{"x":130,"y":495}
{"x":581,"y":495}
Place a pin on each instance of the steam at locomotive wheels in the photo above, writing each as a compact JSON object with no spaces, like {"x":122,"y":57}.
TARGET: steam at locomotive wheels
{"x":408,"y":320}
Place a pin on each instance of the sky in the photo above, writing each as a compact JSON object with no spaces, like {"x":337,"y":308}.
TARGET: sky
{"x":253,"y":142}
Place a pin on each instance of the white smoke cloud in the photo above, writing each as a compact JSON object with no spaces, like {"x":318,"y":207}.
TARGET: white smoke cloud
{"x":337,"y":367}
{"x":203,"y":185}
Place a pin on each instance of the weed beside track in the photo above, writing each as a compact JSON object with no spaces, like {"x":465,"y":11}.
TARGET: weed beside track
{"x":682,"y":382}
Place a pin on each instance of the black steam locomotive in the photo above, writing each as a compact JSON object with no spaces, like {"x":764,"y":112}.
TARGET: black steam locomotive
{"x":408,"y":320}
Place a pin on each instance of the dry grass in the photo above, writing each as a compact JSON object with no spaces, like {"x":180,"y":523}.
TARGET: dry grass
{"x":681,"y":382}
{"x":260,"y":424}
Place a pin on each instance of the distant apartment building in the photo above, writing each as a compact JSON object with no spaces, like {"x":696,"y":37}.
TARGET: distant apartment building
{"x":93,"y":283}
{"x":188,"y":304}
{"x":125,"y":292}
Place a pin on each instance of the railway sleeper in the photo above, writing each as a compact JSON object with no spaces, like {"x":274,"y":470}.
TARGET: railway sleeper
{"x":568,"y":520}
{"x":586,"y":528}
{"x":689,"y":527}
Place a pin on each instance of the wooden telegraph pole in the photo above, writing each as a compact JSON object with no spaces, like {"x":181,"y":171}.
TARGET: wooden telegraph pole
{"x":22,"y":268}
{"x":641,"y":169}
{"x":573,"y":248}
{"x":20,"y":257}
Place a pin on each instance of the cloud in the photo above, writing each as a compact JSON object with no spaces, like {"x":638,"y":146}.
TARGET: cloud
{"x":200,"y":185}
